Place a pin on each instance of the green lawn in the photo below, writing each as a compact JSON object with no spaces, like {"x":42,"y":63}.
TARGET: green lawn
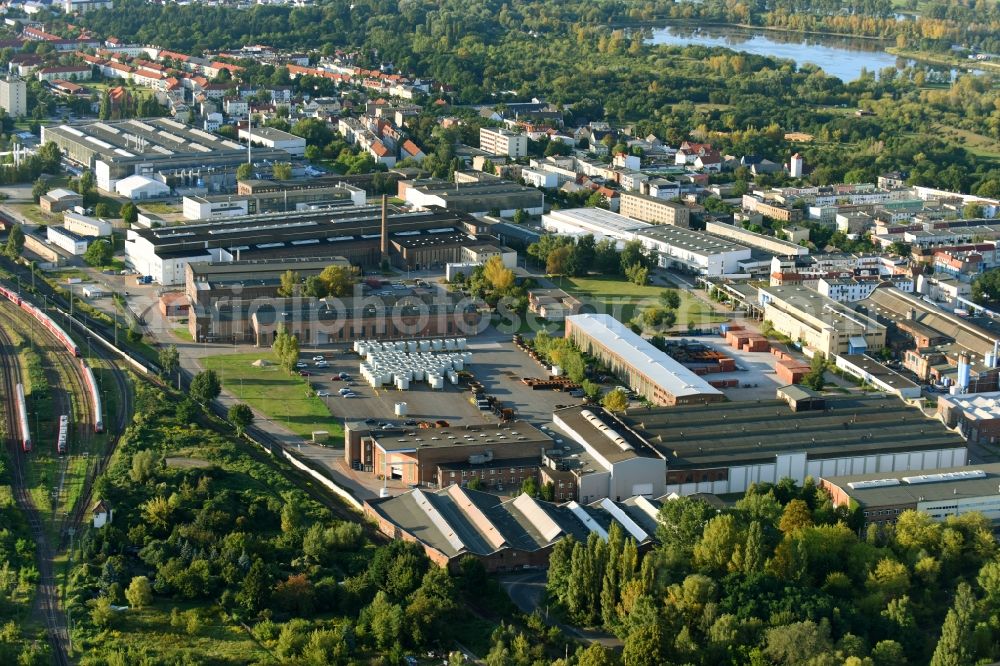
{"x":621,"y":299}
{"x":182,"y":333}
{"x":270,"y":390}
{"x":160,"y":208}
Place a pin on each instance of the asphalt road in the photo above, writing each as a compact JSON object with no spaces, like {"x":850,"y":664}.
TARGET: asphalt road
{"x":527,"y":591}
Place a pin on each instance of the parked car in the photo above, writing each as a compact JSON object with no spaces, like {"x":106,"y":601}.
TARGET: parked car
{"x":350,"y":395}
{"x":345,"y":391}
{"x":344,"y":375}
{"x":322,"y":394}
{"x":319,"y":358}
{"x":576,"y":393}
{"x":301,"y":364}
{"x":305,"y":373}
{"x":322,"y":364}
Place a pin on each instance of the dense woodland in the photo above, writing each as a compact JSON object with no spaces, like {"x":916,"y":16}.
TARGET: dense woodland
{"x":784,"y":578}
{"x":223,"y":558}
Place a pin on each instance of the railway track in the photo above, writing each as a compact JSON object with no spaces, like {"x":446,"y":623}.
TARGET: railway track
{"x":47,"y":598}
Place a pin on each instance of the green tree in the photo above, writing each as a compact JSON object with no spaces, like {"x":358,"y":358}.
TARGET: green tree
{"x":956,"y":647}
{"x":103,"y":210}
{"x":256,"y":586}
{"x":816,"y":377}
{"x":558,"y":260}
{"x":286,"y":348}
{"x":101,"y":613}
{"x":282,"y":171}
{"x":291,"y":284}
{"x":169,"y":359}
{"x":15,"y":242}
{"x":139,"y":592}
{"x":338,"y":280}
{"x":529,"y":487}
{"x":244,"y":171}
{"x":798,"y":643}
{"x":795,"y":516}
{"x":205,"y":387}
{"x":670,"y":298}
{"x":98,"y":253}
{"x":972,"y":211}
{"x":241,"y":416}
{"x":145,"y":465}
{"x":591,"y":390}
{"x":130,"y":213}
{"x":615,"y":401}
{"x":39,"y":188}
{"x":637,"y":274}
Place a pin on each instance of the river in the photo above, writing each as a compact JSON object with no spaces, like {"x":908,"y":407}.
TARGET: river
{"x":842,"y":57}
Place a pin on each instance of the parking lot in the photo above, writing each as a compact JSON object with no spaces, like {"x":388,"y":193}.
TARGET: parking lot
{"x":496,"y":363}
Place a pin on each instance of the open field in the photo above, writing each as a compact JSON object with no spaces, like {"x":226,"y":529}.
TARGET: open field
{"x":285,"y":398}
{"x":977,"y":144}
{"x":621,"y":298}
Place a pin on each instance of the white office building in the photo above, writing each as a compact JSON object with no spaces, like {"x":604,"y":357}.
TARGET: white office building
{"x":83,"y":225}
{"x":597,"y":221}
{"x":693,"y":251}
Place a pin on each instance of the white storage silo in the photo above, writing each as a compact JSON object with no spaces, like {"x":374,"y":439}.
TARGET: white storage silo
{"x":437,"y":382}
{"x":436,"y":345}
{"x":401,"y":409}
{"x":425,"y":345}
{"x":402,"y":383}
{"x":457,"y":363}
{"x":462,"y":343}
{"x":449,"y":344}
{"x":411,"y":346}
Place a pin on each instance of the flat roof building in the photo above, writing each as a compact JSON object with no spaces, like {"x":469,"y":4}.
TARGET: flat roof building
{"x":618,"y":465}
{"x":354,"y":233}
{"x":650,"y":372}
{"x":760,"y":241}
{"x":503,"y":142}
{"x":878,"y":375}
{"x":595,"y":221}
{"x":726,"y":447}
{"x":653,"y":209}
{"x":180,"y":153}
{"x":693,"y":251}
{"x":820,"y":323}
{"x":475,"y":198}
{"x":940,"y":493}
{"x":269,"y":137}
{"x":67,"y":240}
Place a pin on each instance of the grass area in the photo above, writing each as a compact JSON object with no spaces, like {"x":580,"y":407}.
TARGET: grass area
{"x":182,"y":333}
{"x":284,"y":398}
{"x":977,"y":144}
{"x":160,"y":208}
{"x":621,"y":299}
{"x":213,"y":640}
{"x":33,"y":213}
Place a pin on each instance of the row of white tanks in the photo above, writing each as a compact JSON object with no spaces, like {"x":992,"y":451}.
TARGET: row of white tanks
{"x":362,"y":347}
{"x":399,"y":368}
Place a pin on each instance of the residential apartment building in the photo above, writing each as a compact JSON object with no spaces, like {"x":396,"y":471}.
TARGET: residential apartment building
{"x":503,"y":142}
{"x":14,"y":97}
{"x":654,"y":209}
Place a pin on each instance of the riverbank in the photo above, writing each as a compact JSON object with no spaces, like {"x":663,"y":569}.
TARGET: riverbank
{"x":945,"y":60}
{"x":693,"y":23}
